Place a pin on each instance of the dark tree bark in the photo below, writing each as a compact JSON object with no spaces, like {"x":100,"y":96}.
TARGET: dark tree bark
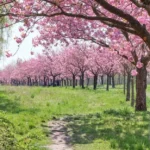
{"x":128,"y":86}
{"x":54,"y":81}
{"x":124,"y":82}
{"x":102,"y":80}
{"x":113,"y":81}
{"x":39,"y":80}
{"x":28,"y":81}
{"x":95,"y":82}
{"x":62,"y":82}
{"x":70,"y":82}
{"x":119,"y":81}
{"x":132,"y":91}
{"x":47,"y":81}
{"x":65,"y":82}
{"x":87,"y":82}
{"x":36,"y":81}
{"x":82,"y":80}
{"x":74,"y":80}
{"x":110,"y":80}
{"x":141,"y":85}
{"x":107,"y":86}
{"x":44,"y":81}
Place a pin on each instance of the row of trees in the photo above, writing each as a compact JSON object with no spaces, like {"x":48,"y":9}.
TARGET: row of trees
{"x":72,"y":65}
{"x":74,"y":62}
{"x":121,"y":25}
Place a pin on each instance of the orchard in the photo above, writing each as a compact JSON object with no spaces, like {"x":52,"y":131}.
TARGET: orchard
{"x":104,"y":44}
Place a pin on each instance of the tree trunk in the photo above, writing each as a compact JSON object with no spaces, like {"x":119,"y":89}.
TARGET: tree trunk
{"x":39,"y":80}
{"x":88,"y":80}
{"x":67,"y":82}
{"x":102,"y":80}
{"x":29,"y":81}
{"x":128,"y":86}
{"x":113,"y":81}
{"x":132,"y":91}
{"x":107,"y":86}
{"x":74,"y":80}
{"x":44,"y":81}
{"x":70,"y":82}
{"x":47,"y":81}
{"x":119,"y":79}
{"x":141,"y":83}
{"x":53,"y":81}
{"x":109,"y":80}
{"x":124,"y":82}
{"x":95,"y":82}
{"x":62,"y":82}
{"x":36,"y":81}
{"x":82,"y":80}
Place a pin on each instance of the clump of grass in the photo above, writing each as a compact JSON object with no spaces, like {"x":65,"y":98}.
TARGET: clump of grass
{"x":8,"y":140}
{"x":17,"y":98}
{"x":48,"y":104}
{"x":125,"y":111}
{"x":32,"y":95}
{"x":113,"y":144}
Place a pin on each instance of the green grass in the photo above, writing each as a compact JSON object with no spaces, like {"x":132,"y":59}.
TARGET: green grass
{"x":97,"y":120}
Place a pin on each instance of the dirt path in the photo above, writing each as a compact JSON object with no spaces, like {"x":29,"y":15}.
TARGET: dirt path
{"x":60,"y":139}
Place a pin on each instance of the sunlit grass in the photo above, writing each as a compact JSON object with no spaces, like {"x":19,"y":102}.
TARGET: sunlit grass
{"x":97,"y":120}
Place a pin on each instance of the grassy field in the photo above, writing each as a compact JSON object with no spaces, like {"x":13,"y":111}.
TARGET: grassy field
{"x":97,"y":120}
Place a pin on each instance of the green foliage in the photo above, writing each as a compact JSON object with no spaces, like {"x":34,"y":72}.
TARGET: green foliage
{"x":7,"y":136}
{"x":32,"y":95}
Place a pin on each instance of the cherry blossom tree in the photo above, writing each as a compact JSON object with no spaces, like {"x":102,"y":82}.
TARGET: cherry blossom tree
{"x":87,"y":20}
{"x":128,"y":70}
{"x":70,"y":66}
{"x":53,"y":65}
{"x":94,"y":64}
{"x":79,"y":60}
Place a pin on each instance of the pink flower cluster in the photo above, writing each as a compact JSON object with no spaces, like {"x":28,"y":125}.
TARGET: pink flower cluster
{"x":139,"y":64}
{"x":8,"y":54}
{"x":134,"y":72}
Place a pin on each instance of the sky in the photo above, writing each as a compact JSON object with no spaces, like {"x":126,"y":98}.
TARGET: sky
{"x":24,"y":50}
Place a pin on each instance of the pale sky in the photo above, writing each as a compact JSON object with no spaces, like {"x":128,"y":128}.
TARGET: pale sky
{"x":24,"y":50}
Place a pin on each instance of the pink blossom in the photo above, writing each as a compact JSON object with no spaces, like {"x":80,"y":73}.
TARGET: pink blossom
{"x":10,"y":17}
{"x":18,"y":40}
{"x":23,"y":35}
{"x":134,"y":72}
{"x":131,"y":59}
{"x":6,"y":25}
{"x":139,"y":65}
{"x":8,"y":54}
{"x":8,"y":1}
{"x":32,"y":53}
{"x":21,"y":29}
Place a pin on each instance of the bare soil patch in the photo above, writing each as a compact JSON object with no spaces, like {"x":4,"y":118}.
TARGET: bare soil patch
{"x":59,"y":136}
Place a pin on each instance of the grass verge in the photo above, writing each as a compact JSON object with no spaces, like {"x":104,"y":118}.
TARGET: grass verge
{"x":97,"y":120}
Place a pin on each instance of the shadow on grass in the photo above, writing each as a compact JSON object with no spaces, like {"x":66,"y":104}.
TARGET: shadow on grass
{"x":13,"y":106}
{"x":124,"y":131}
